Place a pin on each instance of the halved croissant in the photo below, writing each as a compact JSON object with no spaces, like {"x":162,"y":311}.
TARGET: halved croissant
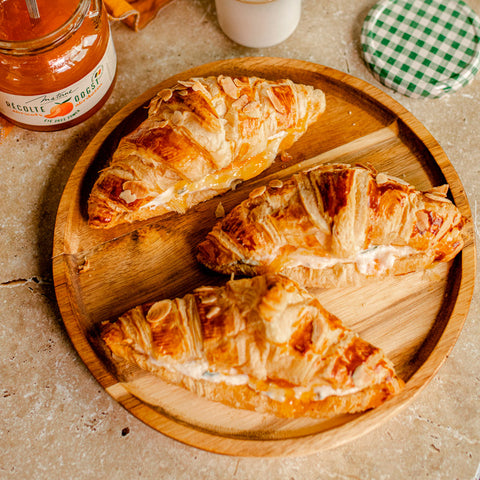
{"x":200,"y":136}
{"x":336,"y":225}
{"x":262,"y":344}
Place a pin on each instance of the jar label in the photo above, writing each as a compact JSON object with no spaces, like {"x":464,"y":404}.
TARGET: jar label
{"x":61,"y":106}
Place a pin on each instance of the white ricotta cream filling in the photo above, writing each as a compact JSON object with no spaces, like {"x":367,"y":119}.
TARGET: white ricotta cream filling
{"x":378,"y":258}
{"x":198,"y":370}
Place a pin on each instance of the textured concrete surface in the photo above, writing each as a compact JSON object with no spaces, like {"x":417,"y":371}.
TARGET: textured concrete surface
{"x":55,"y":419}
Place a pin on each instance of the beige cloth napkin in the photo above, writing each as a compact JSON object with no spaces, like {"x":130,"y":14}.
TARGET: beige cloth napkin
{"x":134,"y":13}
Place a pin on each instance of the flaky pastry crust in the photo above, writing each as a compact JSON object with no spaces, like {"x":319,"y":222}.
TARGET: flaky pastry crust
{"x":336,"y":225}
{"x":200,"y":136}
{"x":262,"y":344}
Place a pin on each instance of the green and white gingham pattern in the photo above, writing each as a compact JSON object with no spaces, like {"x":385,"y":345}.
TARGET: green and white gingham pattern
{"x":422,"y":47}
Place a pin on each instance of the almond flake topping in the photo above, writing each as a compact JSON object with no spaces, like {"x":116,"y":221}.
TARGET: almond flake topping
{"x":219,"y":211}
{"x":229,"y":86}
{"x":257,"y":192}
{"x":276,"y":183}
{"x":277,"y":105}
{"x":199,"y":87}
{"x":213,"y":312}
{"x":204,"y":289}
{"x":186,"y":83}
{"x":442,"y":190}
{"x":159,"y":311}
{"x":437,"y":197}
{"x":209,"y":300}
{"x":165,"y":95}
{"x":240,"y":102}
{"x":239,"y":83}
{"x":384,"y":178}
{"x":422,"y":221}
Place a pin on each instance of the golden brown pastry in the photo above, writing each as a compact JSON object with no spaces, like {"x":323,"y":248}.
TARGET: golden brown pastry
{"x":336,"y":225}
{"x":262,"y":344}
{"x":200,"y":137}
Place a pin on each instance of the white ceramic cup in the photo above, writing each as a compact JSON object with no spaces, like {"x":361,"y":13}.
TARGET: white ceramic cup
{"x":258,"y":23}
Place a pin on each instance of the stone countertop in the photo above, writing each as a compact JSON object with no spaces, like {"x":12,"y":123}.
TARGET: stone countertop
{"x":58,"y":422}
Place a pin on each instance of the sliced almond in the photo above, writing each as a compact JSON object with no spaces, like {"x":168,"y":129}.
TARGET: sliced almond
{"x":240,"y":102}
{"x":214,"y":311}
{"x":422,"y":221}
{"x":385,"y":177}
{"x":398,"y":180}
{"x":204,"y":289}
{"x":159,"y":311}
{"x":441,"y":190}
{"x":199,"y":87}
{"x":367,"y":166}
{"x":186,"y":83}
{"x":240,"y":83}
{"x":276,"y":183}
{"x":219,"y":211}
{"x":277,"y":104}
{"x":257,"y":192}
{"x":165,"y":95}
{"x":209,"y":300}
{"x":437,"y":198}
{"x":229,"y":86}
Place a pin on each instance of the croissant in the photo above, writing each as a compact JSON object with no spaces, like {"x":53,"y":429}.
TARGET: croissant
{"x":262,"y":344}
{"x":200,"y":138}
{"x":336,"y":225}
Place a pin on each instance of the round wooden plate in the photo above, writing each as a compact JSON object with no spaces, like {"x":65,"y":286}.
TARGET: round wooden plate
{"x":415,"y":319}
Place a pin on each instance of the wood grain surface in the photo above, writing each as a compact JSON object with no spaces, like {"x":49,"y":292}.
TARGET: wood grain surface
{"x":99,"y":274}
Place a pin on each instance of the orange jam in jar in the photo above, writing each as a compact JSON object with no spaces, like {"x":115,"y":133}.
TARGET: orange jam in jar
{"x":56,"y":70}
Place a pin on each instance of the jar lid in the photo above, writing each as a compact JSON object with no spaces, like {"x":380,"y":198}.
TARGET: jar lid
{"x":422,"y":47}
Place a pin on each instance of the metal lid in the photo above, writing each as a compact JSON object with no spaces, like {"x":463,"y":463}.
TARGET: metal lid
{"x":422,"y":47}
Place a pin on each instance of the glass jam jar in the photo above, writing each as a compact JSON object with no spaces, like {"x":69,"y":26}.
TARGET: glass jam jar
{"x":58,"y":70}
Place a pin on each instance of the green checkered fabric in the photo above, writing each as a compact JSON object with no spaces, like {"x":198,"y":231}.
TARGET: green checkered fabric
{"x":422,"y":47}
